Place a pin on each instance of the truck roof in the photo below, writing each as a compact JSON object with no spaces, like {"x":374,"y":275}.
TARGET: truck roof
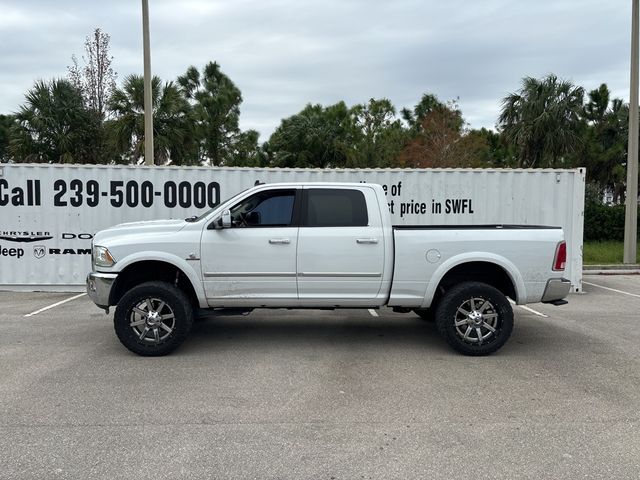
{"x":295,"y":184}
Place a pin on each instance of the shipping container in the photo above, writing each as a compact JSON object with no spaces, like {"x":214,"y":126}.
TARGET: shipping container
{"x":49,"y":213}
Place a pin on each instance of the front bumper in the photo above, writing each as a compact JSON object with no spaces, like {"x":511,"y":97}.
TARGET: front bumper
{"x":556,"y":289}
{"x":99,"y":288}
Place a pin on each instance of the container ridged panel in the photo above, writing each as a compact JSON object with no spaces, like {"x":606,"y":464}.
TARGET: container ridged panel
{"x":79,"y":200}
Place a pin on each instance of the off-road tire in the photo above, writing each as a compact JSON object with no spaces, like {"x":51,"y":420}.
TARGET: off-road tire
{"x":449,"y":318}
{"x":176,"y":304}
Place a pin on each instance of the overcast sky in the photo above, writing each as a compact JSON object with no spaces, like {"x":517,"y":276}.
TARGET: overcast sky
{"x":283,"y":54}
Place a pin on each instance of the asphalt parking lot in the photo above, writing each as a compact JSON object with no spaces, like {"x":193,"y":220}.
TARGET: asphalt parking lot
{"x":323,"y":395}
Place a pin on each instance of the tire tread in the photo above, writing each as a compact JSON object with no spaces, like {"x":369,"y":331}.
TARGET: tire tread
{"x":450,"y":301}
{"x":156,"y":288}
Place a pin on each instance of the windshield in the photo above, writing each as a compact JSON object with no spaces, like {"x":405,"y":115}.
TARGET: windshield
{"x":200,"y":217}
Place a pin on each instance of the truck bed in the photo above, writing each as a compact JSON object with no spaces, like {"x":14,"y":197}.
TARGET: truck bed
{"x":425,"y":253}
{"x":475,"y":227}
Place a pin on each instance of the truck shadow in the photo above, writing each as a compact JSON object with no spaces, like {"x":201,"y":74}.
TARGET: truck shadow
{"x":303,"y":329}
{"x":292,"y":330}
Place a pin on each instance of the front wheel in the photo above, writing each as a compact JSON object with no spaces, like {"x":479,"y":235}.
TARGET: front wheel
{"x":153,"y":318}
{"x":474,"y":318}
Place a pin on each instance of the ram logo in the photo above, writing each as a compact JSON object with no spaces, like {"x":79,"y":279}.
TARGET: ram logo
{"x":39,"y":251}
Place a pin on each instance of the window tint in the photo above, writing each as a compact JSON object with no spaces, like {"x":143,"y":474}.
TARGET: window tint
{"x":326,"y":207}
{"x":270,"y":208}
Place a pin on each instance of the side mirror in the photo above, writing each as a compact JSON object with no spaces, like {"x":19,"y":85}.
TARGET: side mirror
{"x":225,"y":219}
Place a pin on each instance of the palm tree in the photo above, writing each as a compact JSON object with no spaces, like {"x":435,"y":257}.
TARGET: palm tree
{"x":172,"y":131}
{"x":54,"y":126}
{"x":542,"y":121}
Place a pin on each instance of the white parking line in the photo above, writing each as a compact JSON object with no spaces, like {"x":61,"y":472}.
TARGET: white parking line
{"x":540,"y":314}
{"x":611,"y":289}
{"x":54,"y":305}
{"x":373,"y":313}
{"x":530,"y":310}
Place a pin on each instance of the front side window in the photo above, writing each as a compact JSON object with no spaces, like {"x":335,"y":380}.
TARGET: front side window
{"x":333,"y":207}
{"x":271,"y":208}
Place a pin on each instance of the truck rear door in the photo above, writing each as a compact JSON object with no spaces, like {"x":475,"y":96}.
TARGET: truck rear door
{"x":340,"y":245}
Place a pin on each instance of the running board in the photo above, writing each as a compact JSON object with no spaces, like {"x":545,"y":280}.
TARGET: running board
{"x":212,"y":312}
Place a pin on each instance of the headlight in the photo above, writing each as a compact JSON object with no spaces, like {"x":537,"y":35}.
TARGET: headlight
{"x":102,"y":256}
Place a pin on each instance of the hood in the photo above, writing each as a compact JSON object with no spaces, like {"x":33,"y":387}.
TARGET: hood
{"x":155,"y":227}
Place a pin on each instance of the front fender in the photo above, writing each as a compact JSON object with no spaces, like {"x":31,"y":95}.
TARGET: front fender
{"x":186,"y":267}
{"x":507,"y":266}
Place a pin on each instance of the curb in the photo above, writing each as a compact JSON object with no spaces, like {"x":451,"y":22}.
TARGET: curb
{"x":617,"y":269}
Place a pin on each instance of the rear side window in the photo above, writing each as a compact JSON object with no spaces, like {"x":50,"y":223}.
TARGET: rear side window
{"x":327,"y":207}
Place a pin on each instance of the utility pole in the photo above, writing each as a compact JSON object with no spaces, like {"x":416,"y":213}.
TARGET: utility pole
{"x":148,"y":104}
{"x":631,"y":209}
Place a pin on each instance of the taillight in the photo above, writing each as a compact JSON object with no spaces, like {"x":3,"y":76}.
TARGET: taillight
{"x":560,"y":260}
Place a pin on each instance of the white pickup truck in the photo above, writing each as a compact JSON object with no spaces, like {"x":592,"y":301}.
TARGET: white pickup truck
{"x":321,"y":246}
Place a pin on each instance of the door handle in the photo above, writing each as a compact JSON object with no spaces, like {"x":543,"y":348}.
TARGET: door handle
{"x":366,"y":240}
{"x":279,"y":241}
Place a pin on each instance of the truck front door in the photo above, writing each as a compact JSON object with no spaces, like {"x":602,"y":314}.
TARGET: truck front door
{"x":253,"y":263}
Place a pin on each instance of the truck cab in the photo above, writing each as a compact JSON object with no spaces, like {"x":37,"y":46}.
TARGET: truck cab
{"x":298,"y":245}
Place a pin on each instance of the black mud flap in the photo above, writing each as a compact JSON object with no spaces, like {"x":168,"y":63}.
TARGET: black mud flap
{"x":557,"y":303}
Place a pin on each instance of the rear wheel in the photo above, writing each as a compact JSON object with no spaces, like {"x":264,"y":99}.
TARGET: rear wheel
{"x":153,"y":318}
{"x":474,"y":318}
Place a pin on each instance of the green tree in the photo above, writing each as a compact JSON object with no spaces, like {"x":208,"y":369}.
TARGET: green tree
{"x":172,"y":123}
{"x":380,"y":136}
{"x":55,"y":126}
{"x":246,"y":151}
{"x":604,"y":147}
{"x":216,"y":112}
{"x":6,"y":124}
{"x":316,"y":137}
{"x":543,"y":121}
{"x":596,"y":107}
{"x":428,"y":104}
{"x":498,"y":153}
